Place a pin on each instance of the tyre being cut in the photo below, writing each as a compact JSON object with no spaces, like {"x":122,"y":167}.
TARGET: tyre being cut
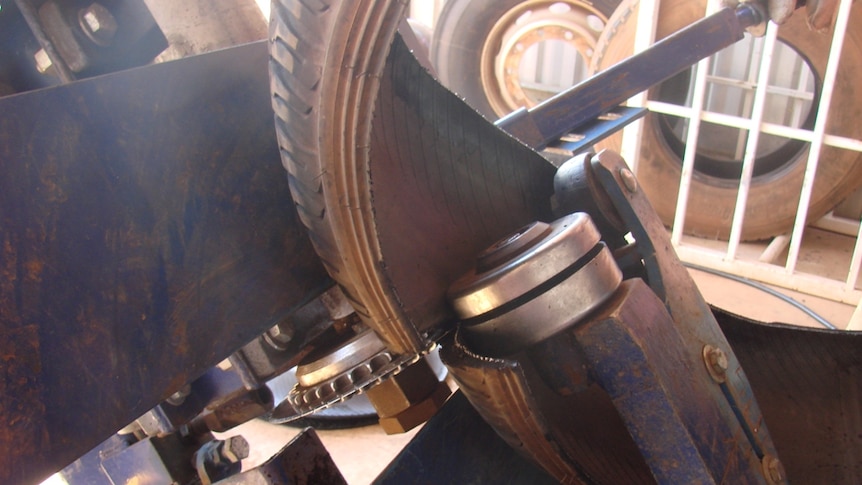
{"x":398,"y":181}
{"x":780,"y":163}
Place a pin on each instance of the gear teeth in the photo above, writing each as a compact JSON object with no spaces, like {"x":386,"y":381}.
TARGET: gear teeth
{"x":307,"y":400}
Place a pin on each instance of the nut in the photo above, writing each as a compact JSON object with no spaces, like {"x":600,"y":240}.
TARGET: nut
{"x":278,"y":337}
{"x":408,"y":398}
{"x":403,"y":390}
{"x":418,"y":413}
{"x":98,"y":24}
{"x":773,"y":470}
{"x":716,"y":363}
{"x":179,"y":397}
{"x":43,"y":62}
{"x":234,"y":449}
{"x":629,"y":180}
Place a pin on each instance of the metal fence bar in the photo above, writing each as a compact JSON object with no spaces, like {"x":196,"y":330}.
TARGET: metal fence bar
{"x":839,"y":225}
{"x":753,"y":138}
{"x":690,"y":150}
{"x":630,"y":147}
{"x":855,"y":261}
{"x":811,"y":284}
{"x":819,"y":132}
{"x":764,"y":120}
{"x":795,"y":93}
{"x":856,"y":320}
{"x":765,"y":127}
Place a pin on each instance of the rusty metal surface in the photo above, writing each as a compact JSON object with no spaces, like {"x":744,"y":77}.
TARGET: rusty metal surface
{"x":146,"y":232}
{"x":638,"y":355}
{"x":808,"y":383}
{"x":736,"y":416}
{"x":577,"y":437}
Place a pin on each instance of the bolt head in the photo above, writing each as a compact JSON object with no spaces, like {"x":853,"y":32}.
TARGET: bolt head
{"x":716,"y":362}
{"x":280,"y":335}
{"x":773,"y":470}
{"x":180,"y":396}
{"x":235,"y":449}
{"x":98,"y":24}
{"x":43,"y":62}
{"x":628,"y":179}
{"x":418,"y":413}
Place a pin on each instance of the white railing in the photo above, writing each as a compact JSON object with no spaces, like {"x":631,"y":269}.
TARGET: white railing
{"x":729,"y":258}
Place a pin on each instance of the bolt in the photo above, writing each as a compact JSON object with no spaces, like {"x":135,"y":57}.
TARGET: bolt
{"x":234,"y":449}
{"x":279,"y":336}
{"x":43,"y":62}
{"x":629,"y":181}
{"x":773,"y":470}
{"x":716,"y":363}
{"x":98,"y":24}
{"x":180,"y":396}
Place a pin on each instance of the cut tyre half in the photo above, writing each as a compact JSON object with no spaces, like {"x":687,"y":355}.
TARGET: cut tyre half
{"x":501,"y":55}
{"x":399,"y":183}
{"x":799,"y":63}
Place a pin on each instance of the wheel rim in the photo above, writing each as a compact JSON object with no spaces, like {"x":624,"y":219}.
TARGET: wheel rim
{"x":525,"y":32}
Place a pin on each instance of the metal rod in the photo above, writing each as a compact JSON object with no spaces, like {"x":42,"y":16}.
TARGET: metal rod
{"x":753,"y":139}
{"x":645,"y":32}
{"x":690,"y":154}
{"x":593,"y":97}
{"x":745,"y":124}
{"x":819,"y":132}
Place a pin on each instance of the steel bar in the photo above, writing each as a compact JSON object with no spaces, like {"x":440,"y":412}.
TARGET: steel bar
{"x":829,"y":76}
{"x":146,"y":232}
{"x":750,"y":158}
{"x":597,"y":95}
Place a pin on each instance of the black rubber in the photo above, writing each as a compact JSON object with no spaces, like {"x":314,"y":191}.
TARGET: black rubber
{"x":302,"y":38}
{"x":399,"y":182}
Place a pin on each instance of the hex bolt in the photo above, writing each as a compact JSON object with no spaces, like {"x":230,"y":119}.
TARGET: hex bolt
{"x":629,"y":181}
{"x":773,"y":470}
{"x":234,"y":449}
{"x":278,"y":337}
{"x":98,"y":24}
{"x":180,"y":396}
{"x":716,"y":363}
{"x":43,"y":62}
{"x":216,"y":460}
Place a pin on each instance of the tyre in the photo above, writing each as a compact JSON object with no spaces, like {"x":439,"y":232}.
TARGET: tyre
{"x":780,"y":164}
{"x":479,"y":45}
{"x":308,"y":47}
{"x":399,"y":183}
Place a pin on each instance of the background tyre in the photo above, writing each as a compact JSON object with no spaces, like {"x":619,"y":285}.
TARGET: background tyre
{"x":780,"y":166}
{"x":479,"y":45}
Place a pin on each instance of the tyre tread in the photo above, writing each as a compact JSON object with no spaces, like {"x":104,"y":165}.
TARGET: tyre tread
{"x":299,"y":31}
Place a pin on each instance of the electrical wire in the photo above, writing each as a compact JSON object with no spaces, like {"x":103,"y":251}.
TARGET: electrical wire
{"x":781,"y":296}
